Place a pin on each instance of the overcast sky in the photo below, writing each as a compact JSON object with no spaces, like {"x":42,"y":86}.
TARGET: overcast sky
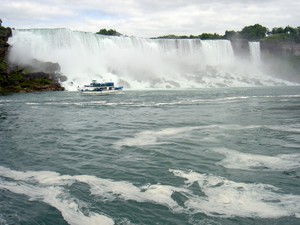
{"x":149,"y":18}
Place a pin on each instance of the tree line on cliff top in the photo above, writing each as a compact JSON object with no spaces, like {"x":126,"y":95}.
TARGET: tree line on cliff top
{"x":251,"y":33}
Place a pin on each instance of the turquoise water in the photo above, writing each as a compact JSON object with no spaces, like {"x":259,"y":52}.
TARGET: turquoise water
{"x":206,"y":156}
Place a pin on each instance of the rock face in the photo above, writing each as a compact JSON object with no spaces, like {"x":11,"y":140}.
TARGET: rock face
{"x":241,"y":48}
{"x":5,"y":33}
{"x":282,"y":58}
{"x":39,"y":76}
{"x":280,"y":48}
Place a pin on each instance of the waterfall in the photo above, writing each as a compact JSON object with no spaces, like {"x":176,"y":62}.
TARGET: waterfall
{"x":254,"y":48}
{"x":135,"y":63}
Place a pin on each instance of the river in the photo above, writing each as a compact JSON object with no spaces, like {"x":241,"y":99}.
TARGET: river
{"x":194,"y":156}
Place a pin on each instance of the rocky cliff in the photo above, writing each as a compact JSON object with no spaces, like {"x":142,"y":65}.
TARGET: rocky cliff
{"x":282,"y":58}
{"x":39,"y":76}
{"x":241,"y":48}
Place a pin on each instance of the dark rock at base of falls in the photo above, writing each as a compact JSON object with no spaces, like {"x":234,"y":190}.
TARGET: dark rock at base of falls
{"x":36,"y":77}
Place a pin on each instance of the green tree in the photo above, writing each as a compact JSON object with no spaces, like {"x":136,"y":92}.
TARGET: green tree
{"x":277,"y":30}
{"x":297,"y":35}
{"x":254,"y":32}
{"x":285,"y":34}
{"x":205,"y":36}
{"x":289,"y":30}
{"x":109,"y":32}
{"x":231,"y":34}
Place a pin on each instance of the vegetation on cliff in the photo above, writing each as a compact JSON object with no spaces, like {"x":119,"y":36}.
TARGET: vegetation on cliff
{"x":27,"y":78}
{"x":109,"y":32}
{"x":203,"y":36}
{"x":254,"y":32}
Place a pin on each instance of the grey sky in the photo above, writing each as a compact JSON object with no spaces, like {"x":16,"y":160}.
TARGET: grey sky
{"x":147,"y":18}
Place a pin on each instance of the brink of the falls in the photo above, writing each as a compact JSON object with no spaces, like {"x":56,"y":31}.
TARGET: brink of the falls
{"x":140,"y":63}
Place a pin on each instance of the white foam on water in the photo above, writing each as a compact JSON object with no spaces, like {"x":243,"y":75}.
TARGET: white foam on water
{"x":141,"y":139}
{"x":246,"y":161}
{"x":5,"y":100}
{"x":152,"y":137}
{"x":203,"y":221}
{"x":295,"y":128}
{"x":225,"y":198}
{"x":32,"y":103}
{"x":109,"y":189}
{"x":42,"y":177}
{"x":2,"y":221}
{"x":45,"y":186}
{"x":236,"y":98}
{"x":221,"y":197}
{"x":53,"y":196}
{"x":156,"y":137}
{"x":39,"y":185}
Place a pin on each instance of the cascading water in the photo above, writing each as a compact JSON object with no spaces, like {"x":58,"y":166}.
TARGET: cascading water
{"x":136,"y":63}
{"x":254,"y":48}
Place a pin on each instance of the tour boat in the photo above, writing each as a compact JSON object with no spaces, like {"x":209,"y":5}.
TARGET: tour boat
{"x":104,"y":88}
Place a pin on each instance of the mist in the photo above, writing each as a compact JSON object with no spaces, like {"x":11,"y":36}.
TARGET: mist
{"x":139,"y":63}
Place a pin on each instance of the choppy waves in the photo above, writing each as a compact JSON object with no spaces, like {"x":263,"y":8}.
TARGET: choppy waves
{"x":245,"y":161}
{"x":223,"y":197}
{"x":165,"y":157}
{"x":154,"y":137}
{"x":181,"y":102}
{"x":219,"y":197}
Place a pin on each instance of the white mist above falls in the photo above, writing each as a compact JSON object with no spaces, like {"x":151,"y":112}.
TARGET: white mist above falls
{"x":139,"y":63}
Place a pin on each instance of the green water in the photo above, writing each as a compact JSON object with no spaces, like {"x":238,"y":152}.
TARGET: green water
{"x":207,"y":156}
